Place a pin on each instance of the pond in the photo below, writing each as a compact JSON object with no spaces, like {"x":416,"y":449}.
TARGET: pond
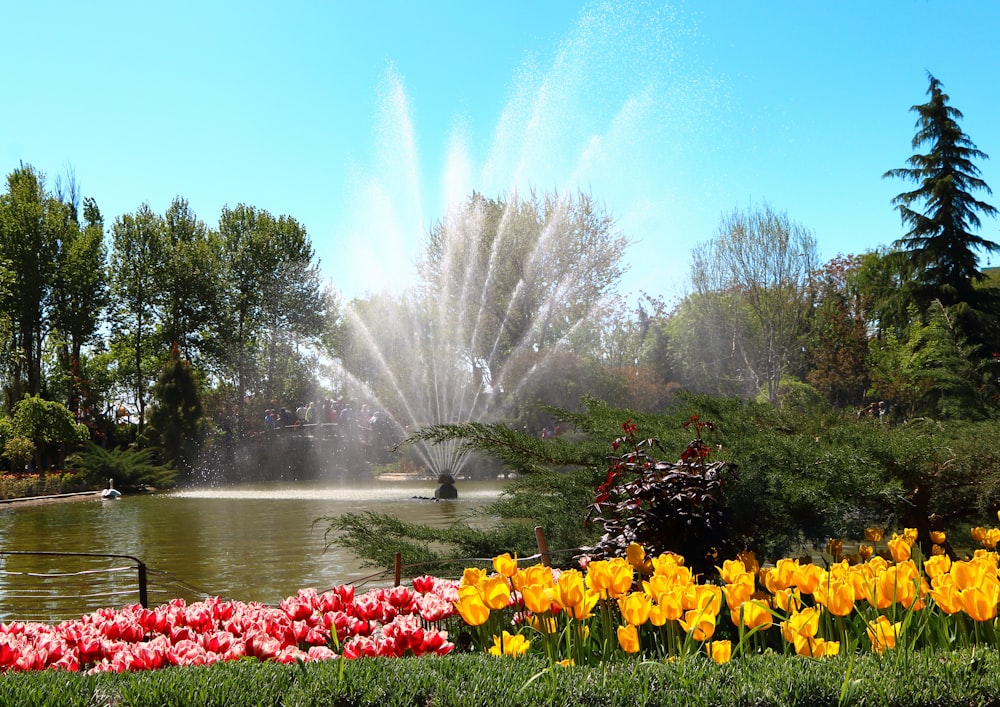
{"x":249,"y":542}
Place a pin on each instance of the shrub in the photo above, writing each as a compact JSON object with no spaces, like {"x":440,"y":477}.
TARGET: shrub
{"x":128,"y":468}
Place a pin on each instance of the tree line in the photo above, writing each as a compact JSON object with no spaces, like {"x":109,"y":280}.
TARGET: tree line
{"x":93,"y":314}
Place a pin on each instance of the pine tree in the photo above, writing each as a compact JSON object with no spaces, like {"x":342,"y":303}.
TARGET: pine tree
{"x":940,"y":250}
{"x":175,"y":419}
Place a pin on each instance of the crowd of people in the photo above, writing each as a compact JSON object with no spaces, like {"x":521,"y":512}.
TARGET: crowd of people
{"x":369,"y":427}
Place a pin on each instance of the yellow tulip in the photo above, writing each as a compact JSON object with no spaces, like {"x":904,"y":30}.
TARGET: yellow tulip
{"x":978,"y":533}
{"x":738,"y":592}
{"x":535,"y":574}
{"x":968,"y":573}
{"x":809,"y":578}
{"x":898,"y":585}
{"x":837,"y":597}
{"x":883,"y":634}
{"x":628,"y":638}
{"x":635,"y":608}
{"x":720,"y":651}
{"x":706,"y":597}
{"x":938,"y":537}
{"x":698,"y":623}
{"x":495,"y":591}
{"x":546,"y":624}
{"x":507,"y":644}
{"x":536,"y":600}
{"x":804,"y":623}
{"x":505,"y":564}
{"x":788,"y":600}
{"x":658,"y":615}
{"x":816,"y":647}
{"x":978,"y":603}
{"x":910,"y":535}
{"x":672,"y":566}
{"x":873,"y":535}
{"x":659,"y":585}
{"x":568,"y":590}
{"x":865,"y":551}
{"x":585,"y":609}
{"x":636,"y":555}
{"x":782,"y":575}
{"x":946,"y":596}
{"x":471,"y":608}
{"x":992,"y":538}
{"x":472,"y":576}
{"x":899,"y":548}
{"x":671,"y":604}
{"x":754,"y":614}
{"x":937,"y":565}
{"x":732,"y":570}
{"x":621,"y":576}
{"x":599,"y":576}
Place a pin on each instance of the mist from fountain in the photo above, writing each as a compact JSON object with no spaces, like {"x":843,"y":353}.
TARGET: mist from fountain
{"x":430,"y":348}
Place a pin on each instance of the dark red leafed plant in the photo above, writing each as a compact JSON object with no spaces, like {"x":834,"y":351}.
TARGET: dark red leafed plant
{"x":664,"y":506}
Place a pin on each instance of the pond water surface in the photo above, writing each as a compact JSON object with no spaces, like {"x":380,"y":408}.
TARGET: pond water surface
{"x":249,"y":542}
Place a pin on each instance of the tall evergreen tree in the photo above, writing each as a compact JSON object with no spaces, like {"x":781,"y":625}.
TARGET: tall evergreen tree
{"x":175,"y":418}
{"x":941,"y":248}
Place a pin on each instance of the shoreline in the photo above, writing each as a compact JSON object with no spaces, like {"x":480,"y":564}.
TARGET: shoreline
{"x":44,"y":500}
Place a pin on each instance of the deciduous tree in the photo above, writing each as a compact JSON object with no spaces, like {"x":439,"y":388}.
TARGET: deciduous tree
{"x":137,"y":258}
{"x":758,"y":268}
{"x":30,"y":221}
{"x":518,"y":272}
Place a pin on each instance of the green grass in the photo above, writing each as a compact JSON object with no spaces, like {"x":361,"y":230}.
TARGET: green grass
{"x":910,"y":679}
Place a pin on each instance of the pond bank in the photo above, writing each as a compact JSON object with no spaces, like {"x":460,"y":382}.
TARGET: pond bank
{"x":54,"y":498}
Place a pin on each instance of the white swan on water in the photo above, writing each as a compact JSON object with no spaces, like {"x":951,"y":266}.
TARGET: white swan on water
{"x":111,"y":492}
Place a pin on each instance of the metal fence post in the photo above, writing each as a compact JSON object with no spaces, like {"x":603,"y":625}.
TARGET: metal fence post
{"x":143,"y":595}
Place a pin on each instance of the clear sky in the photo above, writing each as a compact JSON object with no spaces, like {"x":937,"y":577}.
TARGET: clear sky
{"x":362,"y":120}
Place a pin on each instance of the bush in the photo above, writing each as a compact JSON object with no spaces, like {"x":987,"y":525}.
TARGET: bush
{"x":128,"y":468}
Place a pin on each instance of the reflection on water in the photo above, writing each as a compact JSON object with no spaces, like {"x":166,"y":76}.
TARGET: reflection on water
{"x":253,"y":543}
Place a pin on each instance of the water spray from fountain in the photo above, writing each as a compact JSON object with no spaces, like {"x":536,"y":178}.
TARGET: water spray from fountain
{"x":465,"y":316}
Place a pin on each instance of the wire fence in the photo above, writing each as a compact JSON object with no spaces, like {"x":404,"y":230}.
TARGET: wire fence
{"x":59,"y":586}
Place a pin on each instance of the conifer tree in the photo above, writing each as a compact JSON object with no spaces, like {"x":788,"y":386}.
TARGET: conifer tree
{"x":941,"y":249}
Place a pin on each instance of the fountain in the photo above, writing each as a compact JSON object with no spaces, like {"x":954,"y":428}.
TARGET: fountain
{"x":616,"y":112}
{"x":464,"y":336}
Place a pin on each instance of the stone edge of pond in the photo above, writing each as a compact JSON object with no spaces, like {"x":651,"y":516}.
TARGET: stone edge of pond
{"x":54,"y":498}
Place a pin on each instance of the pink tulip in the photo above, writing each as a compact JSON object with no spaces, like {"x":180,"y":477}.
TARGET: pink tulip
{"x":329,"y":601}
{"x":424,"y":584}
{"x":321,"y":653}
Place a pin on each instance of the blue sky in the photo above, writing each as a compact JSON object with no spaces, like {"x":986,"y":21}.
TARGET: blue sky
{"x":362,"y":120}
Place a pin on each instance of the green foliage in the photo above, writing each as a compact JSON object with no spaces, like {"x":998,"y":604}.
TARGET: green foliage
{"x":130,"y":469}
{"x":175,"y":419}
{"x":927,"y":679}
{"x":377,"y":537}
{"x":46,"y":421}
{"x":753,"y":282}
{"x":19,"y":450}
{"x":941,"y":251}
{"x":45,"y":424}
{"x":932,"y":370}
{"x":802,"y":476}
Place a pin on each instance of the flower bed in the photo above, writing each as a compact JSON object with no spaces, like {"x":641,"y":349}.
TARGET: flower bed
{"x":878,"y":600}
